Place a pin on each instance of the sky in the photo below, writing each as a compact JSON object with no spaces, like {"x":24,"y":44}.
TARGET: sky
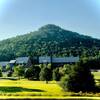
{"x":19,"y":17}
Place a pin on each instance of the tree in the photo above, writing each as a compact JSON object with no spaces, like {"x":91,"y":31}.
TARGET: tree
{"x":32,"y":73}
{"x":28,"y":73}
{"x":19,"y":71}
{"x":1,"y":73}
{"x":9,"y":74}
{"x":45,"y":74}
{"x":1,"y":68}
{"x":8,"y":68}
{"x":66,"y":69}
{"x":49,"y":66}
{"x":56,"y":75}
{"x":41,"y":66}
{"x":80,"y":79}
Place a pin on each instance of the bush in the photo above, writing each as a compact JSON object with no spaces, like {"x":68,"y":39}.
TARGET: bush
{"x":32,"y":73}
{"x":19,"y":71}
{"x":80,"y":79}
{"x":66,"y":69}
{"x":1,"y":73}
{"x":45,"y":74}
{"x":64,"y":81}
{"x":8,"y":68}
{"x":9,"y":73}
{"x":28,"y":73}
{"x":56,"y":75}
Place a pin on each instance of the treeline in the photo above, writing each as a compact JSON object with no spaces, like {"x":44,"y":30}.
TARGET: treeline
{"x":49,"y":39}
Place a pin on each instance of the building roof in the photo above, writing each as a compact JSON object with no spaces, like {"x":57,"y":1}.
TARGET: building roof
{"x":12,"y":61}
{"x":48,"y":59}
{"x":65,"y":59}
{"x":44,"y":59}
{"x":4,"y":63}
{"x":22,"y":60}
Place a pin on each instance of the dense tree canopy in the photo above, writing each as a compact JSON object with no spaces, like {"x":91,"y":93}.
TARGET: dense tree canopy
{"x":49,"y":39}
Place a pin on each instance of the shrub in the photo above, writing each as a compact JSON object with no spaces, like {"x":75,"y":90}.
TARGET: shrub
{"x":45,"y":74}
{"x":8,"y":68}
{"x":32,"y":73}
{"x":9,"y":73}
{"x":19,"y":71}
{"x":1,"y":73}
{"x":56,"y":75}
{"x":80,"y":79}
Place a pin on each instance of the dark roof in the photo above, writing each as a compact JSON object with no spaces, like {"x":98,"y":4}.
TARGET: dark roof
{"x":22,"y":60}
{"x":47,"y":59}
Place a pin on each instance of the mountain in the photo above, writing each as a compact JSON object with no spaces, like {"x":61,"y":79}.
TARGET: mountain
{"x":47,"y":40}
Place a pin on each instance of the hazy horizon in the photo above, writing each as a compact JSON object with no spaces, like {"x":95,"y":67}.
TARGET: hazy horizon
{"x":18,"y":17}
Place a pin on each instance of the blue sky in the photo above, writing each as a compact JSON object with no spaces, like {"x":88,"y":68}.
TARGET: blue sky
{"x":22,"y":16}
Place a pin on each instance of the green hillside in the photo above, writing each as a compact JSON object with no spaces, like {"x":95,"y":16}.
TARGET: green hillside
{"x":47,"y":40}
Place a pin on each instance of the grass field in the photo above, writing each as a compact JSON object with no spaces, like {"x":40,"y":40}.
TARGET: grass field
{"x":38,"y":89}
{"x":25,"y":88}
{"x":97,"y":77}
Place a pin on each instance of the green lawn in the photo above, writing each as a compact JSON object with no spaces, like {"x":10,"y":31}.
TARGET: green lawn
{"x":25,"y":88}
{"x":37,"y":89}
{"x":96,"y":75}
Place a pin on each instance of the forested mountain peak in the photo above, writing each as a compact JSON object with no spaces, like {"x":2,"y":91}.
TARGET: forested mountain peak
{"x":54,"y":28}
{"x":49,"y":26}
{"x":49,"y":39}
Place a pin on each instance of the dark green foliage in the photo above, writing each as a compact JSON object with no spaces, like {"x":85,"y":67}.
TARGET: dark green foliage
{"x":48,"y":40}
{"x":14,"y":89}
{"x":56,"y":75}
{"x":8,"y":68}
{"x":45,"y":74}
{"x":32,"y":73}
{"x":93,"y":63}
{"x":80,"y":79}
{"x":0,"y":73}
{"x":41,"y":66}
{"x":9,"y":74}
{"x":19,"y":71}
{"x":49,"y":66}
{"x":67,"y":69}
{"x":28,"y":73}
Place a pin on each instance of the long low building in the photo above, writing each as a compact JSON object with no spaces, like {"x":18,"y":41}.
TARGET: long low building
{"x":65,"y":59}
{"x":27,"y":61}
{"x":58,"y":60}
